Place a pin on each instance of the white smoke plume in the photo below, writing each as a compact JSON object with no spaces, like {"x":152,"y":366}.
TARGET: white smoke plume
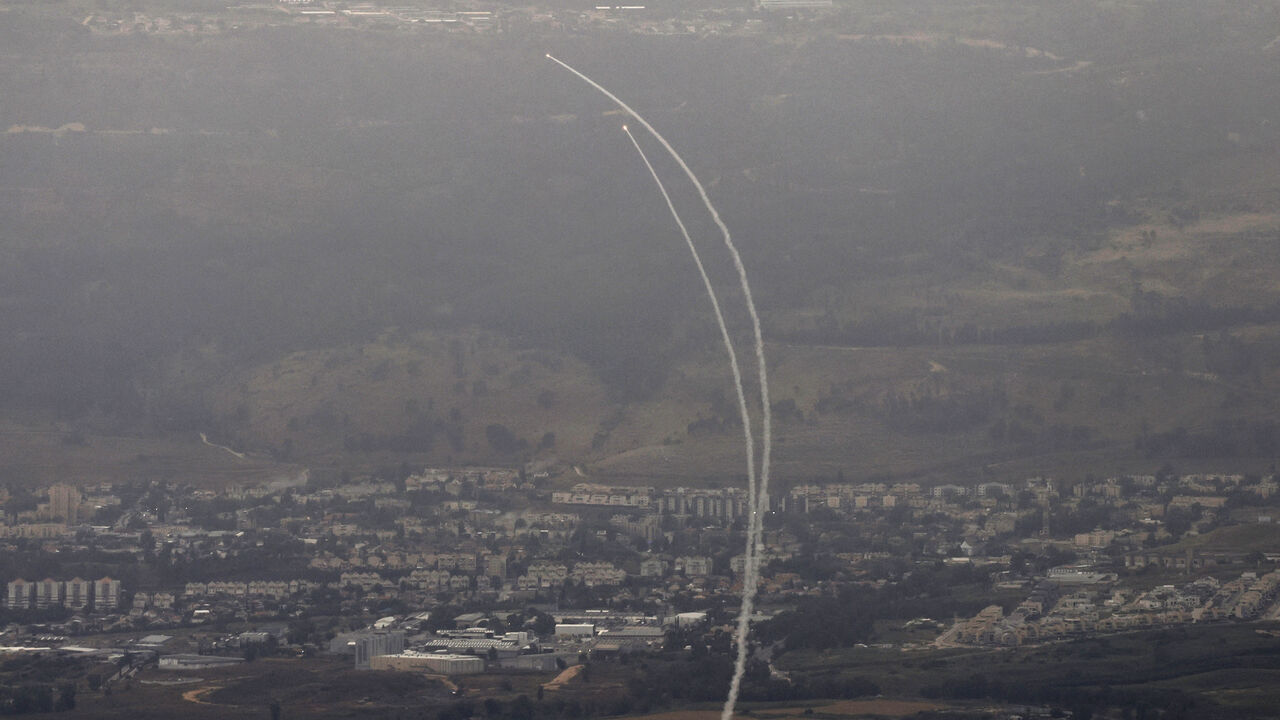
{"x":757,"y":493}
{"x":724,"y":334}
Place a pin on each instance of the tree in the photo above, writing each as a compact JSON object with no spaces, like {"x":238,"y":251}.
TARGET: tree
{"x":521,"y":708}
{"x":502,"y":439}
{"x":542,"y":624}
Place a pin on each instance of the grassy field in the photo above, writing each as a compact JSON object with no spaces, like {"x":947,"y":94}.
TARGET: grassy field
{"x":1230,"y":665}
{"x":854,"y":709}
{"x":828,"y":709}
{"x":45,"y":454}
{"x":318,"y":688}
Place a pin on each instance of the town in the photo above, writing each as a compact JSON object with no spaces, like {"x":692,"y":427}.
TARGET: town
{"x":458,"y":571}
{"x":355,"y":370}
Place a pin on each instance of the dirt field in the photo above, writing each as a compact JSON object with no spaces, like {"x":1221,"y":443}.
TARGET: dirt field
{"x":196,"y":696}
{"x":45,"y":455}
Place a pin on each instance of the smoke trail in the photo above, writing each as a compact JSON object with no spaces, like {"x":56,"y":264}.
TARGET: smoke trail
{"x":754,"y":527}
{"x":724,"y":334}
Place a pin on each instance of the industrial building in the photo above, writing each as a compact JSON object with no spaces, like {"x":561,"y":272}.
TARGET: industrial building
{"x":442,"y":663}
{"x":366,"y":645}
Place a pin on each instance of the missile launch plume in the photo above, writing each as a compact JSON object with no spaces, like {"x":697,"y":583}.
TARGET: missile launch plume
{"x":724,"y":332}
{"x":757,"y":495}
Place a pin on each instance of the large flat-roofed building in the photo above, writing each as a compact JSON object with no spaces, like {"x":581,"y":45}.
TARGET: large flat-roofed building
{"x":474,"y":646}
{"x":365,"y":645}
{"x":577,"y":630}
{"x":196,"y":662}
{"x":443,"y":663}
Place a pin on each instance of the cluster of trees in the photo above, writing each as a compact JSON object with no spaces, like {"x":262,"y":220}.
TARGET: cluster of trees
{"x":1053,"y":438}
{"x":1224,"y":438}
{"x":1081,"y":701}
{"x":522,"y":707}
{"x":24,"y":698}
{"x":422,"y":435}
{"x":1152,"y":315}
{"x":849,"y":617}
{"x":955,"y":412}
{"x":38,"y":685}
{"x":1155,"y":314}
{"x":910,"y":329}
{"x":1085,"y":516}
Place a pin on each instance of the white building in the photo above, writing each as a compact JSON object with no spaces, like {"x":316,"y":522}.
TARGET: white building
{"x":196,"y":662}
{"x":79,"y":593}
{"x":106,"y":594}
{"x":442,"y":663}
{"x":575,"y":630}
{"x":49,"y":593}
{"x":21,"y":594}
{"x":694,"y":565}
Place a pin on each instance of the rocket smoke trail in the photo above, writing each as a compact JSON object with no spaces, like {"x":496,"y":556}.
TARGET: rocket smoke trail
{"x":757,"y":496}
{"x":724,"y":333}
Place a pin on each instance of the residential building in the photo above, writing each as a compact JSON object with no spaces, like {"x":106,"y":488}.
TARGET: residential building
{"x":20,"y":595}
{"x":106,"y":594}
{"x":49,"y":593}
{"x":79,"y":593}
{"x":64,"y":504}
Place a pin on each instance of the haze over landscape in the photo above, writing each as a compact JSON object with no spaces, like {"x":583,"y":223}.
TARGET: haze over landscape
{"x":256,"y":253}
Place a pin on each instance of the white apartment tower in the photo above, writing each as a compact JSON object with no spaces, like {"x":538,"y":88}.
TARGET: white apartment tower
{"x":106,"y":594}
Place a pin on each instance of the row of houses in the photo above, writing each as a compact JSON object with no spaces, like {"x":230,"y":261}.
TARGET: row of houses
{"x":1259,"y":595}
{"x":1191,"y":559}
{"x":720,"y":503}
{"x":608,"y":495}
{"x":992,"y":627}
{"x":723,"y":504}
{"x":76,"y":593}
{"x":274,"y":589}
{"x":468,"y":563}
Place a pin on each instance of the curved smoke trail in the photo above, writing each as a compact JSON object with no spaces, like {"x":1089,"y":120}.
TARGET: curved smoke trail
{"x":757,"y":496}
{"x":724,"y":334}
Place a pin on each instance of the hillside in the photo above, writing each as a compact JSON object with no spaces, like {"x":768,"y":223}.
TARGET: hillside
{"x":984,"y":242}
{"x":952,"y":409}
